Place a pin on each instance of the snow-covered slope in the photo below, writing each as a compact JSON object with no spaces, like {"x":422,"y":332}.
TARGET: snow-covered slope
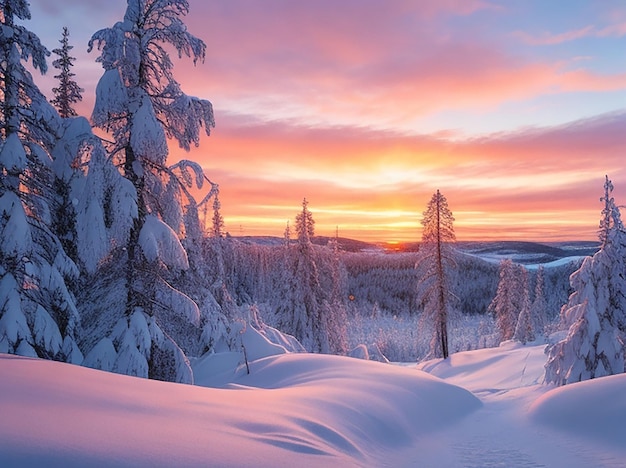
{"x":314,"y":410}
{"x":311,"y":409}
{"x":523,"y":422}
{"x":594,"y":409}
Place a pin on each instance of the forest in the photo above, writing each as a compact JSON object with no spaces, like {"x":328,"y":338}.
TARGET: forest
{"x":109,"y":259}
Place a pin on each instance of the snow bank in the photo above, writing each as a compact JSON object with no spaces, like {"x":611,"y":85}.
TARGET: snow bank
{"x":320,"y":411}
{"x":594,"y":408}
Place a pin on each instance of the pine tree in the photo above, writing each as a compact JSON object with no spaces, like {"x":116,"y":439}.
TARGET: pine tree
{"x":525,"y":326}
{"x":510,"y":299}
{"x":287,"y":235}
{"x":338,"y":318}
{"x":305,"y":224}
{"x":435,"y":264}
{"x":611,"y":218}
{"x":68,"y":92}
{"x":38,"y":315}
{"x":539,"y":307}
{"x":140,"y":103}
{"x":218,"y":221}
{"x":304,"y":309}
{"x":597,"y":308}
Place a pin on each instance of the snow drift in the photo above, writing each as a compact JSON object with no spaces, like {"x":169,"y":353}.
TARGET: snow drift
{"x":311,"y":409}
{"x":594,"y":409}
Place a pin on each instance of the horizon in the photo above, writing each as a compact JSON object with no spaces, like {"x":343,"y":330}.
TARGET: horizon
{"x":514,"y":110}
{"x":400,"y":244}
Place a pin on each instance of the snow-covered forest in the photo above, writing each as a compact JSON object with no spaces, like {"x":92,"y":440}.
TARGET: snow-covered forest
{"x":110,"y":258}
{"x":115,"y":258}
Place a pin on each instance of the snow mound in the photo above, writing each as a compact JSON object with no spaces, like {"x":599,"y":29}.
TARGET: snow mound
{"x":321,"y":411}
{"x":594,"y":408}
{"x":486,"y":371}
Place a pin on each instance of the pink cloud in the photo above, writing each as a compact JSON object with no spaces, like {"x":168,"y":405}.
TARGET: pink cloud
{"x":612,"y":30}
{"x":377,"y":64}
{"x":538,"y":183}
{"x":553,"y":39}
{"x":303,"y":93}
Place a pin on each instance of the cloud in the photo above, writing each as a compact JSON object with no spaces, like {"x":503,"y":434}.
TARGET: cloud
{"x":548,"y":39}
{"x":377,"y":64}
{"x":553,"y":39}
{"x":370,"y":63}
{"x":329,"y":99}
{"x":536,"y":182}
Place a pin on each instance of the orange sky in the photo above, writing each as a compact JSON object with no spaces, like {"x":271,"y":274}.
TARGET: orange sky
{"x":514,"y":109}
{"x":534,"y":185}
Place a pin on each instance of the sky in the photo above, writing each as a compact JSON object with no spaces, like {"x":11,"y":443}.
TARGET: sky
{"x":515,"y":110}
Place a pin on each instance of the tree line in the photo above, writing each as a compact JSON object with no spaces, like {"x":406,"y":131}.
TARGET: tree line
{"x":104,"y":260}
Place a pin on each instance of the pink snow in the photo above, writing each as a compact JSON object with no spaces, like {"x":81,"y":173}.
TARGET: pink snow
{"x":489,"y":408}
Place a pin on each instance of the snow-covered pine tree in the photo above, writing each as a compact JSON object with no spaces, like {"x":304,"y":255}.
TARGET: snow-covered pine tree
{"x":38,"y":315}
{"x":218,"y":249}
{"x":86,"y":182}
{"x":68,"y":92}
{"x":338,"y":318}
{"x":218,"y":220}
{"x":592,"y":347}
{"x":509,"y":299}
{"x":539,"y":307}
{"x":525,"y":326}
{"x":436,"y":260}
{"x":287,"y":236}
{"x":304,"y":311}
{"x":140,"y":103}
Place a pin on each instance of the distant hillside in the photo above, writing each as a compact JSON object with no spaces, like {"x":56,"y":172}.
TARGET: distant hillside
{"x":346,"y":245}
{"x":529,"y":252}
{"x":518,"y":251}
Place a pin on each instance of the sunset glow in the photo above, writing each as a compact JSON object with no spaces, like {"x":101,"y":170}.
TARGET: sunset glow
{"x":515,"y":110}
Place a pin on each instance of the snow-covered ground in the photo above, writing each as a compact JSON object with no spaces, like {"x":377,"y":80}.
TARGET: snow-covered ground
{"x":480,"y":408}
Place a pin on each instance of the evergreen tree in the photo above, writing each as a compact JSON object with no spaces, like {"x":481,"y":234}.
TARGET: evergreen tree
{"x":68,"y":93}
{"x":525,"y":326}
{"x":510,"y":299}
{"x":38,"y":315}
{"x":338,"y":318}
{"x":304,"y":309}
{"x":435,"y":263}
{"x":539,"y":307}
{"x":218,"y":222}
{"x":140,"y":103}
{"x":611,"y":218}
{"x":305,"y":224}
{"x":287,"y":235}
{"x":597,"y":308}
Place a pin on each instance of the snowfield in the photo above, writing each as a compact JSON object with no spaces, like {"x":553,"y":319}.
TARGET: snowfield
{"x":479,"y":408}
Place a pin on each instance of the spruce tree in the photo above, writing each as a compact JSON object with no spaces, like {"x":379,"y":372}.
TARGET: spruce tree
{"x":140,"y":103}
{"x":596,"y":309}
{"x":38,"y":315}
{"x":525,"y":326}
{"x":304,"y":310}
{"x":539,"y":307}
{"x":338,"y":318}
{"x":510,"y":300}
{"x":218,"y":221}
{"x":436,"y":261}
{"x":68,"y":92}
